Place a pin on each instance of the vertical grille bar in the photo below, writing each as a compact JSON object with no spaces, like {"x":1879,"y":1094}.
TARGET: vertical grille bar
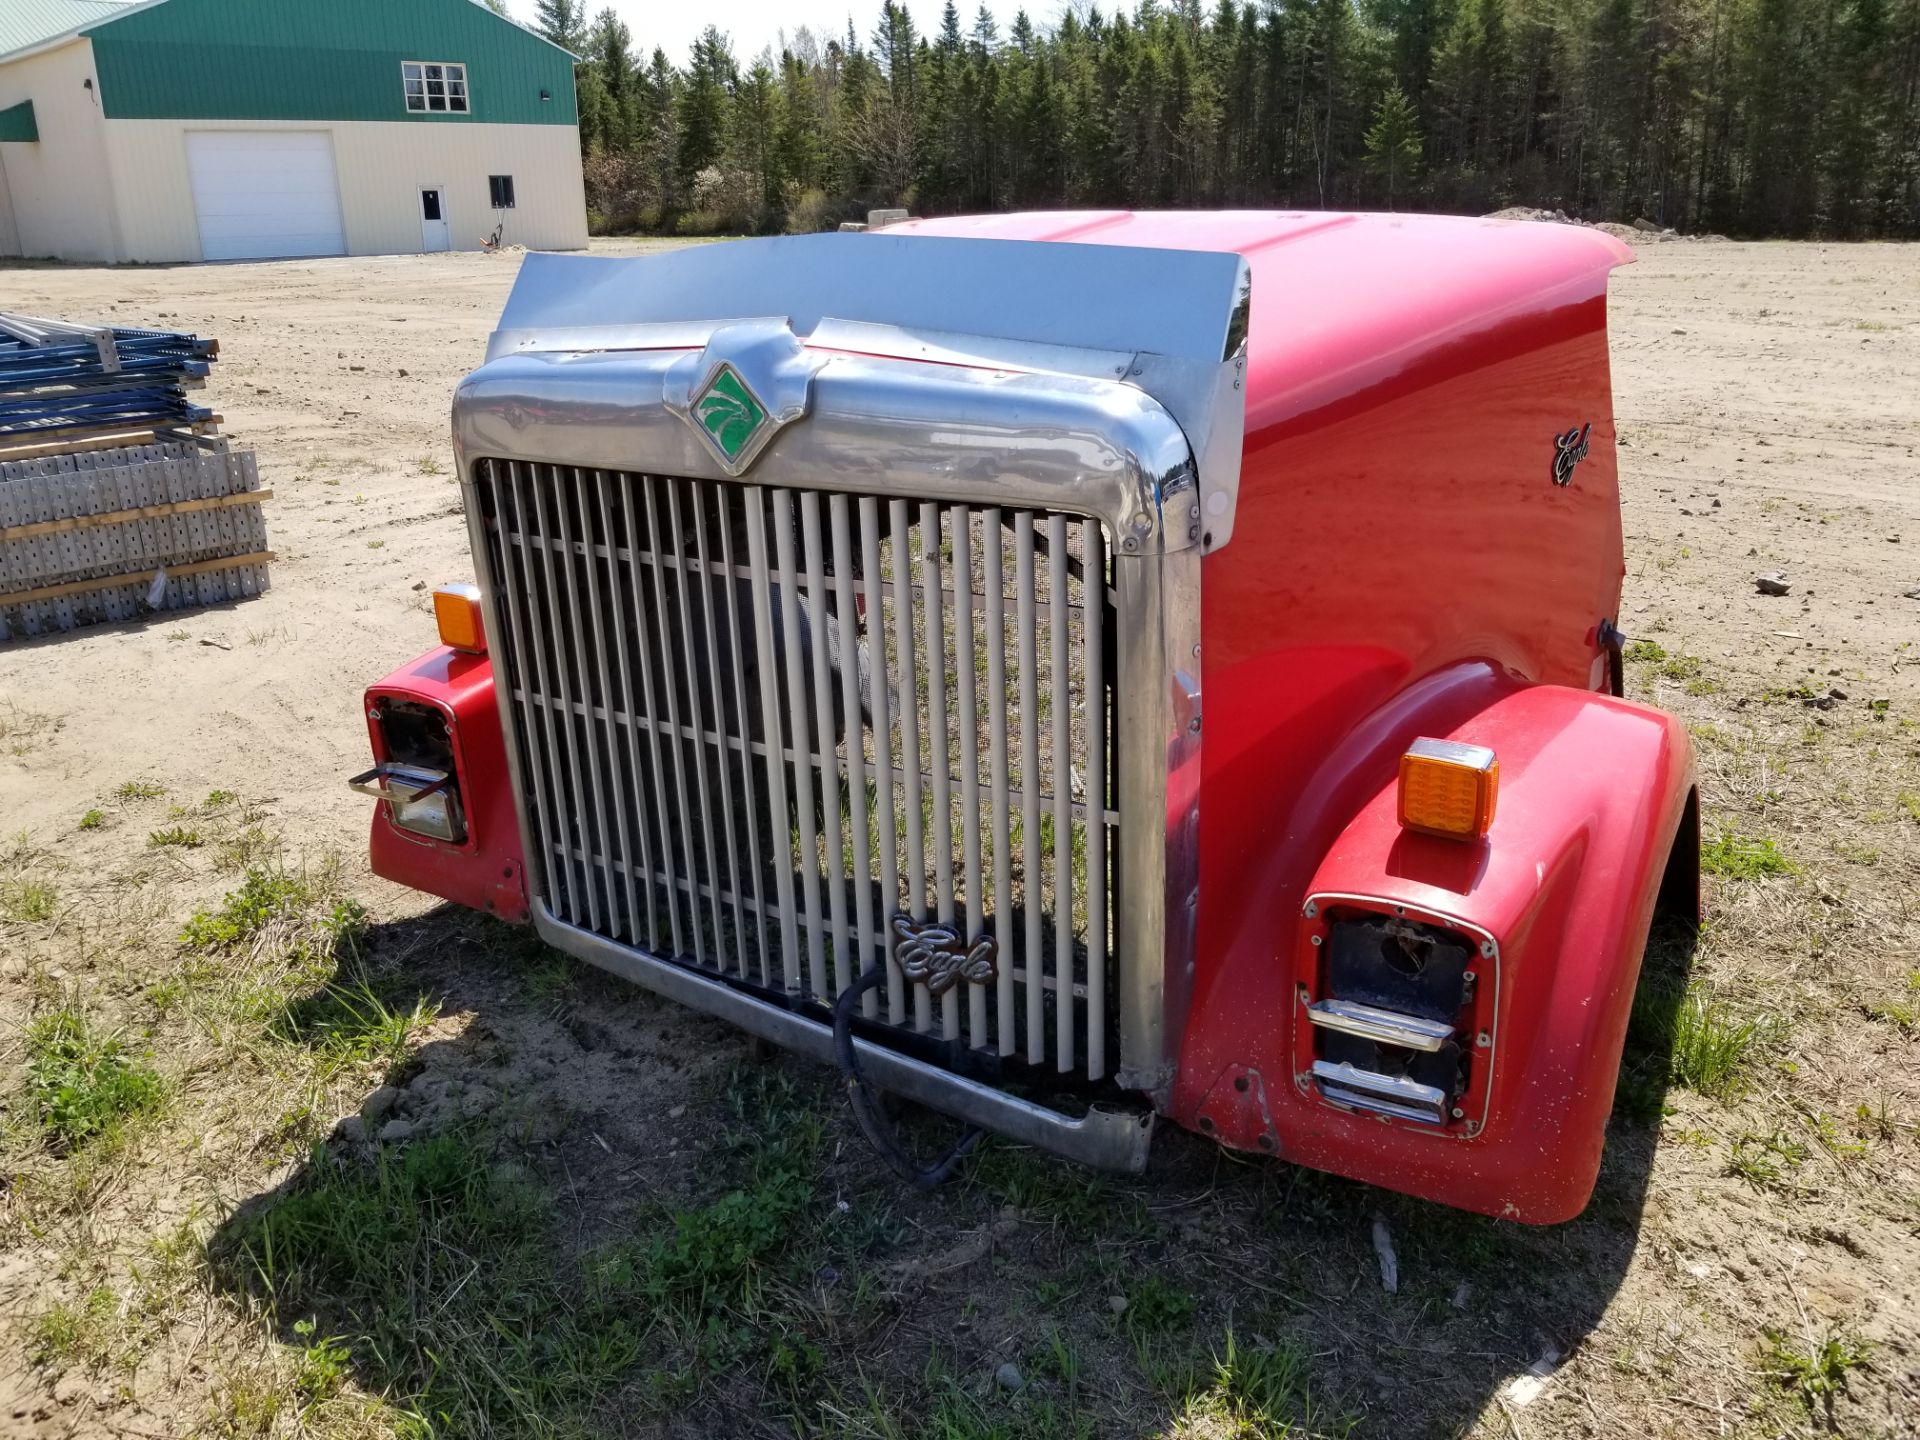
{"x":808,"y":845}
{"x":616,"y":791}
{"x":712,"y":683}
{"x":643,"y":644}
{"x":877,"y":704}
{"x":776,"y":745}
{"x":993,"y":536}
{"x":750,"y":807}
{"x":932,"y":587}
{"x":634,"y":800}
{"x":907,"y":687}
{"x":1094,"y":598}
{"x":548,"y":805}
{"x":843,"y":557}
{"x":1030,"y":952}
{"x":657,"y":541}
{"x":580,"y":903}
{"x":833,"y":837}
{"x":586,"y":731}
{"x":1062,"y":700}
{"x":696,"y":718}
{"x":962,"y":572}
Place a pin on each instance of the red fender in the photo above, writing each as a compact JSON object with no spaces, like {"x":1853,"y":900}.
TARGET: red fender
{"x":488,"y":870}
{"x":1594,"y":793}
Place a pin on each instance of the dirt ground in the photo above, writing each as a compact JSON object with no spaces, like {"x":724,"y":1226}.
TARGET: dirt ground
{"x":1750,"y":1265}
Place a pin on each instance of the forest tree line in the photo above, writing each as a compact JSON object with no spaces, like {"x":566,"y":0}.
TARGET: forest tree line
{"x":1749,"y":117}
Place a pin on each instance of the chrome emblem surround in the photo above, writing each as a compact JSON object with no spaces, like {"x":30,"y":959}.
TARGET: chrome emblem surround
{"x":935,"y":955}
{"x":752,"y":378}
{"x":1569,"y":449}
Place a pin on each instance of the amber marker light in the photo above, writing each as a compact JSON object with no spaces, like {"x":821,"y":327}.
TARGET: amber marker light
{"x":456,"y":609}
{"x":1448,"y":789}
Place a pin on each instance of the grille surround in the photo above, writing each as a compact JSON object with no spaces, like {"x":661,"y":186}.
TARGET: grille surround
{"x":1049,"y":434}
{"x":640,"y":618}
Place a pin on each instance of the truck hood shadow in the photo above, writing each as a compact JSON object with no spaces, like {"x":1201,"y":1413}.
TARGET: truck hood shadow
{"x":577,"y":1209}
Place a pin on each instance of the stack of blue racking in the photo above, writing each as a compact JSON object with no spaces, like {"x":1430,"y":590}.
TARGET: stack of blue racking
{"x":118,"y":496}
{"x":57,"y":378}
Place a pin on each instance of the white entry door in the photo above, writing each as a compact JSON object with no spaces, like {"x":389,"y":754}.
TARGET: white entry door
{"x":434,"y":234}
{"x":261,"y":194}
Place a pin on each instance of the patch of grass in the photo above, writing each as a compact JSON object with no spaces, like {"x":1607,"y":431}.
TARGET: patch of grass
{"x":1712,"y":1047}
{"x":220,"y":799}
{"x":1155,"y":1307}
{"x":321,"y":1367}
{"x":1909,"y":804}
{"x":28,"y":900}
{"x":93,"y":819}
{"x":80,"y":1082}
{"x":245,"y":848}
{"x":1767,"y":1162}
{"x":349,"y":1023}
{"x":69,"y":1334}
{"x":1903,"y":1009}
{"x":1818,"y":1373}
{"x":1647,"y":652}
{"x":1738,"y":857}
{"x":139,"y":790}
{"x":1081,"y":1204}
{"x":21,"y":729}
{"x":184,"y":837}
{"x":1256,"y":1393}
{"x":265,"y":896}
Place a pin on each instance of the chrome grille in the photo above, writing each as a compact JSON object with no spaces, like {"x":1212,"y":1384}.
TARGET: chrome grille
{"x":755,"y":724}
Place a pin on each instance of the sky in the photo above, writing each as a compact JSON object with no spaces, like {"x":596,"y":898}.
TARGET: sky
{"x":755,"y":24}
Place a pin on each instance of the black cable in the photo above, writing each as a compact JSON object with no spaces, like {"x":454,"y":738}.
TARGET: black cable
{"x":866,"y":1108}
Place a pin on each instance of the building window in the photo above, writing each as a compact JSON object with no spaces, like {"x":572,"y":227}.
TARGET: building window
{"x":501,"y":188}
{"x":435,"y":86}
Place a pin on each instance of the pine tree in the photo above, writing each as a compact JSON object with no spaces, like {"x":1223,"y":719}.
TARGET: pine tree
{"x":1393,"y":140}
{"x":564,"y":22}
{"x":1753,"y":116}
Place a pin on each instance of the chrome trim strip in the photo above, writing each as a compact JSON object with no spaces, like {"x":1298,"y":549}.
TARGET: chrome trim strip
{"x":1158,"y":714}
{"x":1389,"y":1027}
{"x":874,"y":426}
{"x":1393,"y":1095}
{"x":1104,"y":1139}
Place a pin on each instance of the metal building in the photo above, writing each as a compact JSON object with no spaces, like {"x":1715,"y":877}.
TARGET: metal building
{"x":166,"y":130}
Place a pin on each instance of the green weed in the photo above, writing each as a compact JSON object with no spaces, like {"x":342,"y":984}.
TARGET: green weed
{"x":183,"y":836}
{"x":1155,"y":1307}
{"x":1738,"y":857}
{"x":67,"y":1334}
{"x":140,"y":790}
{"x":1767,"y":1162}
{"x":1256,"y":1393}
{"x":266,"y":897}
{"x":80,"y":1082}
{"x":1818,"y":1373}
{"x":30,"y":900}
{"x":349,"y":1023}
{"x":93,"y":819}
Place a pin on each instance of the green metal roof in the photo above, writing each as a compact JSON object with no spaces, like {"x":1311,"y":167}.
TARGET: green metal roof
{"x":25,"y":24}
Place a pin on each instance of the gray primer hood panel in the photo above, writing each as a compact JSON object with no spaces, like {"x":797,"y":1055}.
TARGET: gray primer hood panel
{"x":1177,"y":303}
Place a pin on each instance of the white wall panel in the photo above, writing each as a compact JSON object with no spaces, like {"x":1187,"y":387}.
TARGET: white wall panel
{"x":381,"y":168}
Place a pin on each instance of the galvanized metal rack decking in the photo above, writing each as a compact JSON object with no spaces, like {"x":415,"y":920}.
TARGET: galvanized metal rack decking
{"x":117,"y":493}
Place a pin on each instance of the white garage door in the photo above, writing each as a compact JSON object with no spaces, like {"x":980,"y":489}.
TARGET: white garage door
{"x":266,"y":193}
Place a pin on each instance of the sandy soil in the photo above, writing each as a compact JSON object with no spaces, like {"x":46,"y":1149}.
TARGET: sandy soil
{"x":1767,"y":407}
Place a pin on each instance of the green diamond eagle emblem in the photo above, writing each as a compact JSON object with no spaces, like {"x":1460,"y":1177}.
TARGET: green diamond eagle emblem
{"x":729,"y":413}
